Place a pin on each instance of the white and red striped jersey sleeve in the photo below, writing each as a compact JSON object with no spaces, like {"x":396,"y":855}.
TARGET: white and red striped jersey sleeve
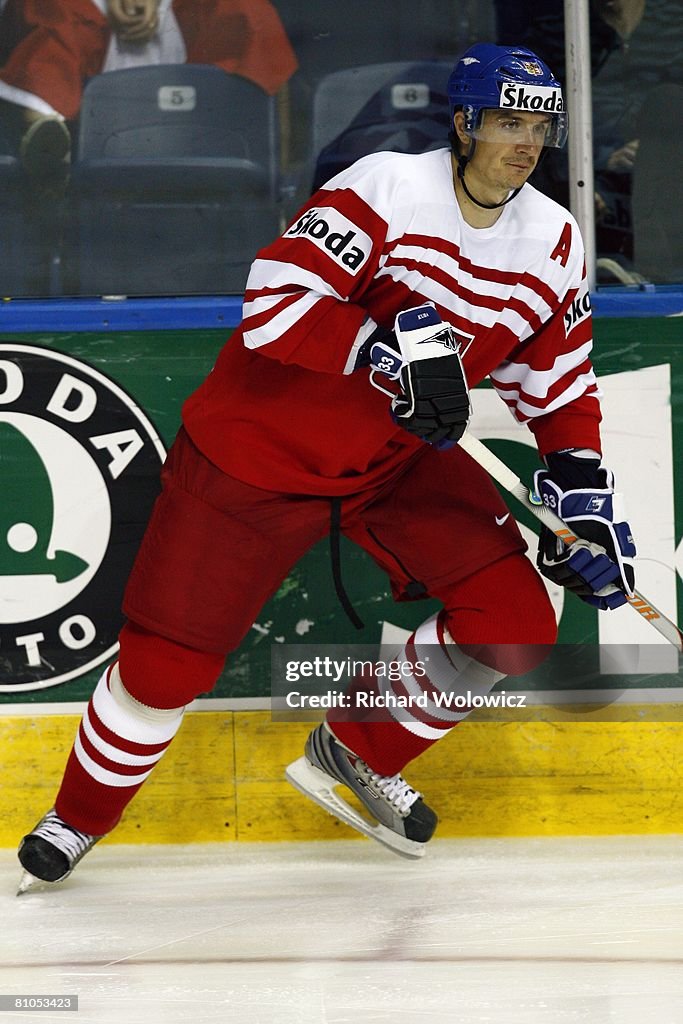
{"x":548,"y":382}
{"x":303,"y":299}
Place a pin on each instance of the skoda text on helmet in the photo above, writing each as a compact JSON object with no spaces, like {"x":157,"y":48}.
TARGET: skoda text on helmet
{"x":504,"y":79}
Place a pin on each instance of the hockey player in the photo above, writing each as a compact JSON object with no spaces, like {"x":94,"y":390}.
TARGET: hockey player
{"x":432,"y":271}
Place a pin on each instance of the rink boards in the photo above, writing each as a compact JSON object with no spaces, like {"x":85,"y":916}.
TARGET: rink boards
{"x":223,"y":777}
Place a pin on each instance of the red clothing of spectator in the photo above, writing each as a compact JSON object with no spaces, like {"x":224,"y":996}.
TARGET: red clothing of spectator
{"x":53,"y":48}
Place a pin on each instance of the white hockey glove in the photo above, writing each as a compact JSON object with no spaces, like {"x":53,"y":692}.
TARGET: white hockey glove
{"x":598,"y":566}
{"x":421,"y":354}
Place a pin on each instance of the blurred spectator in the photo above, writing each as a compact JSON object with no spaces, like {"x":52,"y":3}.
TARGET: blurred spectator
{"x":540,"y":26}
{"x":653,"y":57}
{"x":626,"y":96}
{"x":50,"y":48}
{"x":657,"y":196}
{"x":412,"y":121}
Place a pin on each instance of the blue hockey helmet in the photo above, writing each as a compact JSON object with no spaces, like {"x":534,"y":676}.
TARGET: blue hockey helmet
{"x":506,"y":78}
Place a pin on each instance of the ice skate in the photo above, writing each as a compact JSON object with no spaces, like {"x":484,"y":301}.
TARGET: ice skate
{"x":50,"y":852}
{"x":399,"y":818}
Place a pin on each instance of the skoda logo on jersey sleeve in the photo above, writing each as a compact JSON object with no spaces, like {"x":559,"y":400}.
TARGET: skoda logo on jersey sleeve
{"x":79,"y":468}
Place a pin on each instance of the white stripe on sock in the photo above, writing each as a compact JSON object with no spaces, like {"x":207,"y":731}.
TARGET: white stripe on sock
{"x":129,"y":726}
{"x":103,"y":775}
{"x":115,"y":753}
{"x":449,"y":671}
{"x":126,"y":724}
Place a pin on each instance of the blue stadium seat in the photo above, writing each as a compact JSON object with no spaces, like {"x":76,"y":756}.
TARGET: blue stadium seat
{"x":174,"y":184}
{"x":401,"y":107}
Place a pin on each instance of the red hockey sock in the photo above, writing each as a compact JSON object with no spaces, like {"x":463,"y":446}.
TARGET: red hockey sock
{"x":494,"y":638}
{"x":117,"y":746}
{"x":377,"y":738}
{"x":387,"y":739}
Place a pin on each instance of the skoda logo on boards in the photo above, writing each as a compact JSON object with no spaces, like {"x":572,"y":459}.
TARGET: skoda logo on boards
{"x":79,"y":468}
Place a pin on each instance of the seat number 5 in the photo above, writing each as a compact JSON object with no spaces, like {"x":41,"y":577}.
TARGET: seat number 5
{"x":177,"y":97}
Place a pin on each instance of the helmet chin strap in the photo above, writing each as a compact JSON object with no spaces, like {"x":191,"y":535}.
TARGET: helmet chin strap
{"x":462,"y":164}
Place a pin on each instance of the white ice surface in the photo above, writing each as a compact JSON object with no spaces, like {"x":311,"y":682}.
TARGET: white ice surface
{"x":509,"y":931}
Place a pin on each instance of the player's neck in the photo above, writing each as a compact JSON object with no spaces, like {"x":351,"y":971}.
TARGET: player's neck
{"x":475,"y":216}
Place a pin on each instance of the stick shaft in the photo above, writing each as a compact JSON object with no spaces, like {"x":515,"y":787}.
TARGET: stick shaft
{"x":512,"y":483}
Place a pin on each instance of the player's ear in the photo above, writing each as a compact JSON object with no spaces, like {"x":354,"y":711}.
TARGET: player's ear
{"x":459,"y":128}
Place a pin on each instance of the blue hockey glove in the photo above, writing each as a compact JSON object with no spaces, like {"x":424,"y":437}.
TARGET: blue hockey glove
{"x":381,"y":353}
{"x":598,"y":566}
{"x":384,"y":356}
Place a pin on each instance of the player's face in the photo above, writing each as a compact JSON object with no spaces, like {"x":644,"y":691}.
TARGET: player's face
{"x":508,"y":145}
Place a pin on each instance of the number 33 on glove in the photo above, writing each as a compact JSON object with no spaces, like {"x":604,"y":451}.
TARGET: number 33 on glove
{"x":422,"y":355}
{"x":598,"y":565}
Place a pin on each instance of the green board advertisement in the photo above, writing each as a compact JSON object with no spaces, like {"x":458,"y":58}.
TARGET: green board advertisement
{"x":85,"y":419}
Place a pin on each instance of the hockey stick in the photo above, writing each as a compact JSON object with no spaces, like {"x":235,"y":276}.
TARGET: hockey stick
{"x":508,"y":480}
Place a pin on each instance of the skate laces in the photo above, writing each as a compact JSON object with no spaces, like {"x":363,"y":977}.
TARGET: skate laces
{"x":393,"y":788}
{"x":65,"y":837}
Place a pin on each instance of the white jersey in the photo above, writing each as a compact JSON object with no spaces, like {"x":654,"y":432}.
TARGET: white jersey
{"x":387,"y":234}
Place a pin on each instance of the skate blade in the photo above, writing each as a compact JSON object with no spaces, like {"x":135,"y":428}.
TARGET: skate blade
{"x":29,"y":883}
{"x":320,"y":788}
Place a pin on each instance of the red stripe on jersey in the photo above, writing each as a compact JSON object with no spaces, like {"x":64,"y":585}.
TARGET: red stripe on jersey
{"x":300,"y":250}
{"x":581,"y":333}
{"x":252,"y":323}
{"x":481,"y":273}
{"x":387,"y":295}
{"x":493,"y":302}
{"x":541,"y":351}
{"x":559,"y":384}
{"x":555,"y":390}
{"x":558,"y":388}
{"x":113,"y":766}
{"x":553,"y":343}
{"x":303,"y":252}
{"x":352,"y":206}
{"x":523,"y":417}
{"x":284,"y":289}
